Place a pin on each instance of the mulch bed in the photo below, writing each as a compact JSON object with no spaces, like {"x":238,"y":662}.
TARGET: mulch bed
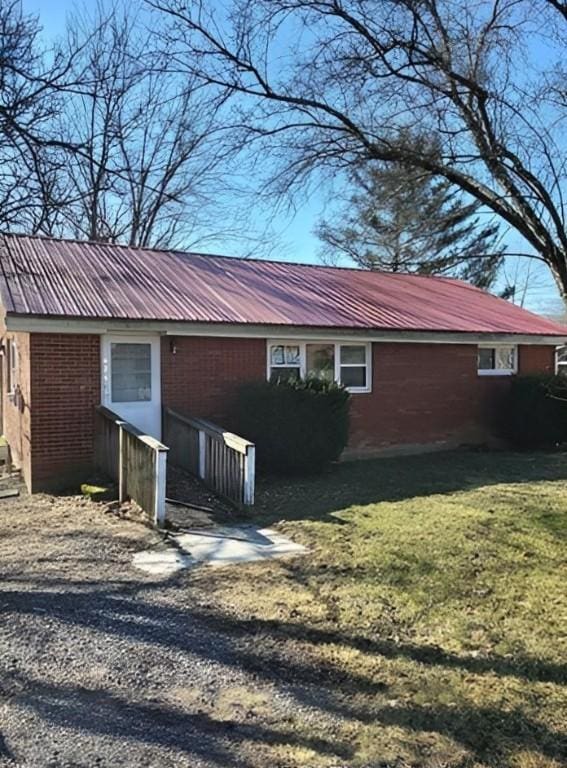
{"x":200,"y":506}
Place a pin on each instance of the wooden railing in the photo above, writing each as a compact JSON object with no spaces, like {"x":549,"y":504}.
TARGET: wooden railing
{"x":137,"y":462}
{"x":224,"y":461}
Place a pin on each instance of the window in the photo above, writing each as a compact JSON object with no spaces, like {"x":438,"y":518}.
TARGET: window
{"x":561,"y":361}
{"x":497,"y":360}
{"x":320,"y":361}
{"x":285,"y":362}
{"x":11,"y":366}
{"x":353,"y":366}
{"x":348,"y":364}
{"x":131,"y":367}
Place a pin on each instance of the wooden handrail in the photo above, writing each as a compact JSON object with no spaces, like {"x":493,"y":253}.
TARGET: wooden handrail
{"x":222,"y":460}
{"x":233,"y":441}
{"x":150,"y":441}
{"x":136,"y":460}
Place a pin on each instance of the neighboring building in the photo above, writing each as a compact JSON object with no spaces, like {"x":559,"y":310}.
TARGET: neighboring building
{"x":427,"y":359}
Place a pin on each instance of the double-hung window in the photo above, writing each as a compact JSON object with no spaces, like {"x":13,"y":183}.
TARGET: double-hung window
{"x":11,"y":366}
{"x":561,"y":361}
{"x":348,"y":364}
{"x":353,"y":366}
{"x":285,"y":362}
{"x":497,"y":359}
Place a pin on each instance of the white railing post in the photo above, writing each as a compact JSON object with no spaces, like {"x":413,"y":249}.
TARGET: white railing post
{"x":202,"y":454}
{"x":249,"y":474}
{"x":160,"y":467}
{"x":121,"y":488}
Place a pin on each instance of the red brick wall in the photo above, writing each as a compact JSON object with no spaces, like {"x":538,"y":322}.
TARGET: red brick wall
{"x":65,"y":388}
{"x":536,"y":359}
{"x":432,"y":393}
{"x":422,"y":393}
{"x":202,"y":375}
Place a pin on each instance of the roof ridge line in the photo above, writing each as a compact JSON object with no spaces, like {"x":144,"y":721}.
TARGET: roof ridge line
{"x":251,"y":259}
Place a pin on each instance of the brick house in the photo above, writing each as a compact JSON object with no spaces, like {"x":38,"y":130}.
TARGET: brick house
{"x":427,"y":359}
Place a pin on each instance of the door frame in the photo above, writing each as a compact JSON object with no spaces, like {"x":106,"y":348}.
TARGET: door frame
{"x":154,"y":339}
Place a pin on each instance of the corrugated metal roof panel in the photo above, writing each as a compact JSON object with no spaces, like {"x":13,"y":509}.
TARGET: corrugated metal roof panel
{"x":72,"y":279}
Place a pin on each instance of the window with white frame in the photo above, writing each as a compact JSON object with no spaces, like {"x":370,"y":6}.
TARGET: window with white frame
{"x":497,"y":359}
{"x":353,"y":371}
{"x":320,"y":361}
{"x":561,"y":360}
{"x":348,"y":363}
{"x":11,"y":366}
{"x":285,"y":362}
{"x":131,"y":372}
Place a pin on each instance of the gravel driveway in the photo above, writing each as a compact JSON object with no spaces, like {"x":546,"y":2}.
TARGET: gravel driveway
{"x":103,"y":665}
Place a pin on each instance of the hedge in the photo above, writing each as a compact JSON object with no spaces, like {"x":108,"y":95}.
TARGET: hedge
{"x":298,"y":426}
{"x":535,"y":415}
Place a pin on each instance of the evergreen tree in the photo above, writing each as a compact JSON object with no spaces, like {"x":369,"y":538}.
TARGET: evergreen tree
{"x":402,"y":219}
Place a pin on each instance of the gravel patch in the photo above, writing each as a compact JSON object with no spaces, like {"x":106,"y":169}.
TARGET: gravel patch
{"x":103,"y":665}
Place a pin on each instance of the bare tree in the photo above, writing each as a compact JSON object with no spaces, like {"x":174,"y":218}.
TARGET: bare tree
{"x":333,"y":82}
{"x":31,"y":83}
{"x":147,"y":159}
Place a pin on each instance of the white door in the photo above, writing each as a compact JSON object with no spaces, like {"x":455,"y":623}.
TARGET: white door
{"x":131,"y":383}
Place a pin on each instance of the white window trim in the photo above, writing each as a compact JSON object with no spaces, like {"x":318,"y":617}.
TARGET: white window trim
{"x":499,"y":371}
{"x":11,"y":366}
{"x":559,"y":365}
{"x":337,"y":344}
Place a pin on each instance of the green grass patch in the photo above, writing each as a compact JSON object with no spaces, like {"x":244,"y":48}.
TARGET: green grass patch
{"x":431,"y":609}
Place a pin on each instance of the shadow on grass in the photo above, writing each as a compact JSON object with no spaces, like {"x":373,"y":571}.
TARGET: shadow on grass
{"x":359,"y":483}
{"x":525,"y":667}
{"x":263,"y":649}
{"x":284,"y":655}
{"x":98,"y":711}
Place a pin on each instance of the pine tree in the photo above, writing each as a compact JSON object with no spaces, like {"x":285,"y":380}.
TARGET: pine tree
{"x":399,"y":219}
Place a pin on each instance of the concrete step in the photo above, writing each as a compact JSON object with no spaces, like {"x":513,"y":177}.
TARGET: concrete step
{"x":10,"y":479}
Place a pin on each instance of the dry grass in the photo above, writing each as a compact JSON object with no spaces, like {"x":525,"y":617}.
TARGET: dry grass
{"x":431,"y":610}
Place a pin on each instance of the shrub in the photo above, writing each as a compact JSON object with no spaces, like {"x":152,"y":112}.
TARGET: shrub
{"x":298,"y":426}
{"x":535,"y":415}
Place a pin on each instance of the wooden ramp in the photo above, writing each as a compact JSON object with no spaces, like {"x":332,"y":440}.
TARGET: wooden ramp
{"x":190,"y":504}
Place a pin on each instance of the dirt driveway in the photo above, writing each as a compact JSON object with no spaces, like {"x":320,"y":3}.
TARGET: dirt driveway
{"x":103,"y":665}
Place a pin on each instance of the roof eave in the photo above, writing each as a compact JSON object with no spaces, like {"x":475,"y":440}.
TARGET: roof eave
{"x":45,"y":324}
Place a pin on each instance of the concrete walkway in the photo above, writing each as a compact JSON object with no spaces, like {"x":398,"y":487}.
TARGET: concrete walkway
{"x":216,"y":546}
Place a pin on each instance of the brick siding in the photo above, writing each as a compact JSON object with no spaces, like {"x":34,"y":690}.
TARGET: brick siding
{"x":65,"y":388}
{"x":431,"y":393}
{"x":422,"y":394}
{"x":200,"y":378}
{"x":533,"y":359}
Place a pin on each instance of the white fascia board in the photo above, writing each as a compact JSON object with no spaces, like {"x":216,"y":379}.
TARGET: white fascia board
{"x":31,"y":324}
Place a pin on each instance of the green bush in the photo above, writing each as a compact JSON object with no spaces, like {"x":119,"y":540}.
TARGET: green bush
{"x":535,"y":415}
{"x":297,"y":426}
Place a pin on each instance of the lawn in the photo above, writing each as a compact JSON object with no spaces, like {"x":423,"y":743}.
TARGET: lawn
{"x":425,"y":629}
{"x":429,"y":620}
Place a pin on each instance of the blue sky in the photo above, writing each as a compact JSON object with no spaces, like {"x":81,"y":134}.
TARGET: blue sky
{"x":296,"y":241}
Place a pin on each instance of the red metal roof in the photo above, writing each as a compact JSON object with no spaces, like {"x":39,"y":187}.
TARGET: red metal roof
{"x":72,"y":279}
